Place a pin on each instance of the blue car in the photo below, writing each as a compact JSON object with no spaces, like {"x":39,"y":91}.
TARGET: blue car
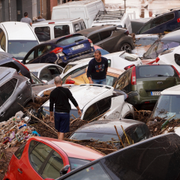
{"x":60,"y":50}
{"x":169,"y":21}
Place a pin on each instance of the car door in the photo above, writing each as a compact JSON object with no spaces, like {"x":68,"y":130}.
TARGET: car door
{"x":40,"y":161}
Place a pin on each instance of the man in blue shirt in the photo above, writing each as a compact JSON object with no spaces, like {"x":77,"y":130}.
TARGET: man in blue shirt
{"x":97,"y":69}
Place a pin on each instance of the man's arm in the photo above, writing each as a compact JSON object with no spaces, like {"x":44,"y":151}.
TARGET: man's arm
{"x":89,"y":73}
{"x":51,"y":108}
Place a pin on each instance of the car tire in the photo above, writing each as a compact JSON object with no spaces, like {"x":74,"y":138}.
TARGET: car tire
{"x":125,"y":47}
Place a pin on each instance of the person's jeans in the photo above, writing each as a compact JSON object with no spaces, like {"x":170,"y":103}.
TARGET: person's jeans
{"x":99,"y":81}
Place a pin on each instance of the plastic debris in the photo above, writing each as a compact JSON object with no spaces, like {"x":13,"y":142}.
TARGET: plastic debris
{"x":15,"y":130}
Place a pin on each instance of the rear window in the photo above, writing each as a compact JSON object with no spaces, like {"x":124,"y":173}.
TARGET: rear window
{"x":61,"y":30}
{"x":71,"y":40}
{"x":155,"y":71}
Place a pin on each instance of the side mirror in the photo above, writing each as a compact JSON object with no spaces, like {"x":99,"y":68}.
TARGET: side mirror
{"x":132,"y":94}
{"x":64,"y":170}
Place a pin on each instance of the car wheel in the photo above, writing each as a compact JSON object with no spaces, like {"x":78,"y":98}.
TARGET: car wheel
{"x":126,"y":47}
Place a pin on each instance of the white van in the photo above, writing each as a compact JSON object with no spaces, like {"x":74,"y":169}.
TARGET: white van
{"x":17,"y":38}
{"x":86,"y":9}
{"x":50,"y":29}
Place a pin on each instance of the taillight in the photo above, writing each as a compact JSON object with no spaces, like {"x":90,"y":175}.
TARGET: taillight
{"x":57,"y":50}
{"x":126,"y":32}
{"x":21,"y":63}
{"x":133,"y":76}
{"x":128,"y":67}
{"x":176,"y":71}
{"x":51,"y":22}
{"x":157,"y":59}
{"x":91,"y":43}
{"x":69,"y":81}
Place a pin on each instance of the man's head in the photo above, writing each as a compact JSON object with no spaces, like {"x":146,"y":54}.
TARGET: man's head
{"x":97,"y":55}
{"x":25,"y":14}
{"x":58,"y":81}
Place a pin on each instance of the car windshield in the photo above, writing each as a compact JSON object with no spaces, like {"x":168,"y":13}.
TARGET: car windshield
{"x":167,"y":107}
{"x":75,"y":163}
{"x":36,"y":80}
{"x":70,"y":40}
{"x":20,"y":48}
{"x":144,"y":41}
{"x":68,"y":66}
{"x":158,"y":47}
{"x":156,"y":71}
{"x":92,"y":172}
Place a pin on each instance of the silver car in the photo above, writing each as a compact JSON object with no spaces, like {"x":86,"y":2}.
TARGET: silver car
{"x":15,"y":90}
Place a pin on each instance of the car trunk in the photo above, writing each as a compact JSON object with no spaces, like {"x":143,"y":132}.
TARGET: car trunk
{"x":153,"y":86}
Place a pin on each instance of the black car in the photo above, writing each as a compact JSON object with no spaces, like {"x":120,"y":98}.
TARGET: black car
{"x":110,"y":38}
{"x":60,"y":50}
{"x":163,"y":44}
{"x":168,"y":21}
{"x":104,"y":131}
{"x":156,"y":158}
{"x":7,"y":60}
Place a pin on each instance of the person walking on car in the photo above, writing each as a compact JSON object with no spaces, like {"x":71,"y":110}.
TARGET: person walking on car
{"x":26,"y":19}
{"x":97,"y":69}
{"x":60,"y":97}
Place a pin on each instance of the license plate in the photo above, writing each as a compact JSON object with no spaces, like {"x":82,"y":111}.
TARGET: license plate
{"x":155,"y":93}
{"x":78,"y":47}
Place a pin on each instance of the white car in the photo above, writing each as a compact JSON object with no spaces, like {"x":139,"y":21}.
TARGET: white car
{"x":45,"y":71}
{"x":118,"y":60}
{"x":171,"y":56}
{"x":168,"y":104}
{"x":17,"y":38}
{"x":94,"y":100}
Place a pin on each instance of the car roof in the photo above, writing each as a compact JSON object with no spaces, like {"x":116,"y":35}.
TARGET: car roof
{"x":5,"y":72}
{"x":96,"y":29}
{"x":175,"y":90}
{"x":86,"y":93}
{"x":38,"y":66}
{"x":107,"y":126}
{"x":72,"y":149}
{"x":172,"y":36}
{"x":18,"y":30}
{"x":55,"y":21}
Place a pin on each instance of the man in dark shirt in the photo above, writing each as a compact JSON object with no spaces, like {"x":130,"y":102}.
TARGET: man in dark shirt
{"x":97,"y":69}
{"x":60,"y":97}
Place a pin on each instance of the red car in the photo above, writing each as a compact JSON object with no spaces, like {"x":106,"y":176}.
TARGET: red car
{"x":42,"y":158}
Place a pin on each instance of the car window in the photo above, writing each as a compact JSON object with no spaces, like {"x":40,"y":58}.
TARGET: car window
{"x":30,"y":57}
{"x":67,"y":67}
{"x":43,"y":33}
{"x":82,"y":25}
{"x":105,"y":34}
{"x":124,"y":80}
{"x":160,"y":20}
{"x":97,"y":108}
{"x":110,"y":80}
{"x":72,"y":72}
{"x":75,"y":162}
{"x":43,"y":49}
{"x":2,"y":40}
{"x":20,"y":150}
{"x":95,"y":38}
{"x":6,"y":90}
{"x":146,"y":27}
{"x":91,"y":112}
{"x":90,"y":173}
{"x":54,"y":71}
{"x":155,"y":71}
{"x":61,"y":30}
{"x":77,"y":27}
{"x":70,"y":40}
{"x":177,"y":59}
{"x":53,"y":166}
{"x":38,"y":152}
{"x":45,"y":74}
